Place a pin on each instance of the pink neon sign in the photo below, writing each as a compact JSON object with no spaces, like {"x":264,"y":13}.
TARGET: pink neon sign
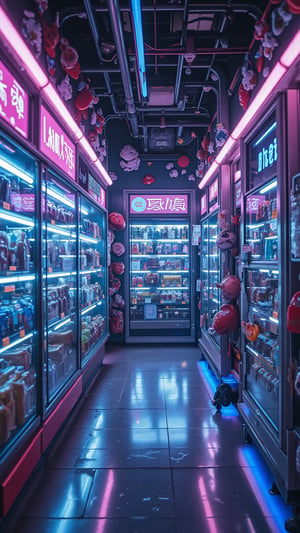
{"x":159,"y":203}
{"x":253,"y":202}
{"x":213,"y":190}
{"x":55,"y":144}
{"x":96,"y":191}
{"x":14,"y":102}
{"x":203,"y":205}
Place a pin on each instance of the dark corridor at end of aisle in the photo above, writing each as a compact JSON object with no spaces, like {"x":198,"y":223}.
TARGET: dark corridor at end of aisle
{"x":146,"y":451}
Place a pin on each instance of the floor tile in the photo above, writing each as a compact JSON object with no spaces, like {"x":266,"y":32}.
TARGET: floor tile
{"x":61,"y":494}
{"x":146,"y":451}
{"x":131,"y":493}
{"x":120,"y":418}
{"x":111,"y":458}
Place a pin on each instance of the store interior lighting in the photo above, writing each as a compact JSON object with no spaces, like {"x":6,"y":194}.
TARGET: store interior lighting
{"x":14,"y":41}
{"x":139,"y":43}
{"x":290,"y":55}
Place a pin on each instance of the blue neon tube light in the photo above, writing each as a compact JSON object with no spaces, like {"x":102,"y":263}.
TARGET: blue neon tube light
{"x":139,"y":42}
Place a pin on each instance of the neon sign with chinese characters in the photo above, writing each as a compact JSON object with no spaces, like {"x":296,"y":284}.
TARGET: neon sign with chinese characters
{"x":55,"y":144}
{"x":267,"y":155}
{"x":162,"y":203}
{"x":14,"y":102}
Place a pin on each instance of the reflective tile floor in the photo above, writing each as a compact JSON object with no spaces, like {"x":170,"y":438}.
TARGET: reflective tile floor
{"x":147,"y":452}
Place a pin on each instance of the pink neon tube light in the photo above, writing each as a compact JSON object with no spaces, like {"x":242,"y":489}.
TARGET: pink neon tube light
{"x":15,"y":41}
{"x":54,"y":99}
{"x":290,"y":54}
{"x":41,"y":81}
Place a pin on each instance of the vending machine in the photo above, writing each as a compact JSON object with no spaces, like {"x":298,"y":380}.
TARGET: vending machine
{"x":160,"y":293}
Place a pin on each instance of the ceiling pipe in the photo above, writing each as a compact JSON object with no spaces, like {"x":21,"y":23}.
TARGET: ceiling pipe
{"x":116,"y":25}
{"x":95,"y":35}
{"x":177,"y":124}
{"x":248,"y":9}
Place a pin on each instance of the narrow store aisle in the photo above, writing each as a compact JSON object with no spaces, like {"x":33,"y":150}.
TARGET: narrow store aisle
{"x":147,"y":452}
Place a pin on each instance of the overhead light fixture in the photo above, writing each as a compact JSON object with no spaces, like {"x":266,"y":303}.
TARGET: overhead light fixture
{"x":16,"y":171}
{"x":289,"y":56}
{"x":139,"y":44}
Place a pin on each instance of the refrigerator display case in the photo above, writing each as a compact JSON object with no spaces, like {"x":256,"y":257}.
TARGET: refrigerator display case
{"x":93,"y":278}
{"x":210,"y":273}
{"x":160,"y":287}
{"x":213,"y":264}
{"x":18,"y":290}
{"x":269,"y":369}
{"x":262,"y":341}
{"x":60,"y":285}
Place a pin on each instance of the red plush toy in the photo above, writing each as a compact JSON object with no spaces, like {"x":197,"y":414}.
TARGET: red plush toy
{"x":118,"y":268}
{"x":116,"y":221}
{"x":260,"y":28}
{"x":84,"y":98}
{"x":226,"y":320}
{"x":50,"y":37}
{"x":243,"y":96}
{"x":69,"y":59}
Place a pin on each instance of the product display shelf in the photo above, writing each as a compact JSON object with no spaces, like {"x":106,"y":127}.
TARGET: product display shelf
{"x":159,"y":274}
{"x":59,"y":283}
{"x":93,"y":305}
{"x":262,"y":343}
{"x":18,"y":366}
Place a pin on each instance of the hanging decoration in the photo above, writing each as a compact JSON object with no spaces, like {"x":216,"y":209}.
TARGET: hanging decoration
{"x":116,"y":221}
{"x":65,"y":88}
{"x":281,"y":17}
{"x":183,"y":161}
{"x":129,"y":158}
{"x":260,"y":28}
{"x":50,"y":37}
{"x":269,"y":43}
{"x":42,"y":5}
{"x":148,"y":179}
{"x":221,"y":134}
{"x":69,"y":59}
{"x":32,"y":32}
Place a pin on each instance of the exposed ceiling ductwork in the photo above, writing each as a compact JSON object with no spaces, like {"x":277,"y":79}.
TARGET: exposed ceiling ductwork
{"x":192,"y":54}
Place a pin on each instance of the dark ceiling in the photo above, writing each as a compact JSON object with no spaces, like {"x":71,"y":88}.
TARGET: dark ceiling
{"x":193,"y":56}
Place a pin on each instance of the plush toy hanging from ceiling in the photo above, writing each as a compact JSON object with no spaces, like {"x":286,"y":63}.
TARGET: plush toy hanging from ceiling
{"x":221,"y":134}
{"x":129,"y":158}
{"x":116,"y":221}
{"x":148,"y":179}
{"x":98,"y":120}
{"x":281,"y":17}
{"x":32,"y":32}
{"x":42,"y":5}
{"x":269,"y":43}
{"x":249,"y":80}
{"x":50,"y":37}
{"x":69,"y":59}
{"x":65,"y":88}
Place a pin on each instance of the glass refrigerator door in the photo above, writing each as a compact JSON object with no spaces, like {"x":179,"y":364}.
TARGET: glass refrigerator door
{"x":262,"y":346}
{"x":93,"y":278}
{"x":18,"y":268}
{"x":159,"y":274}
{"x":59,"y":283}
{"x":261,"y":223}
{"x":210,"y":272}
